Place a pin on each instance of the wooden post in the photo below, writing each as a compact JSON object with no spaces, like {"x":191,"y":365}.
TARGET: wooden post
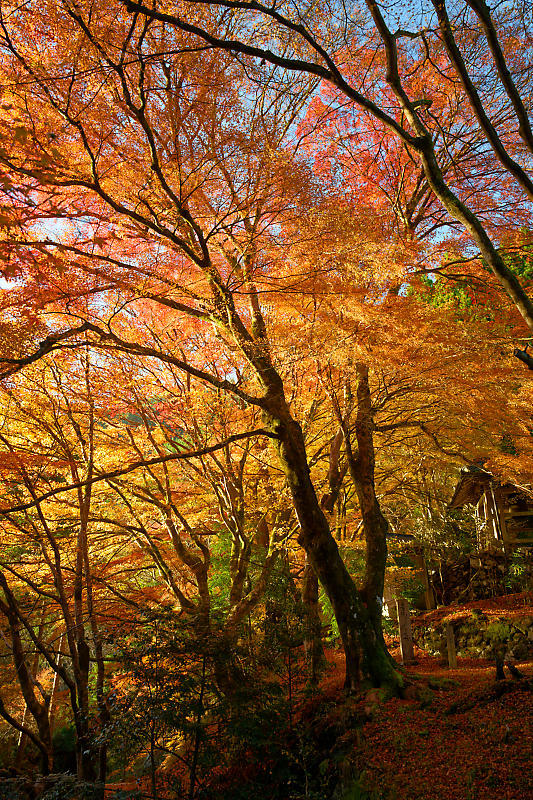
{"x":450,"y":641}
{"x":406,"y":633}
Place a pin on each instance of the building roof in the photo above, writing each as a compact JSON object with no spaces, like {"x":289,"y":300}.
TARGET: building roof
{"x":473,"y":482}
{"x":470,"y":487}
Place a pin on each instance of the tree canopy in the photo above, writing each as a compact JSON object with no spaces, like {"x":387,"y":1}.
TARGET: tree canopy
{"x":265,"y":268}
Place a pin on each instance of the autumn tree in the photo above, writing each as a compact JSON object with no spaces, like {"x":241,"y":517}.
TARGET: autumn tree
{"x":299,"y":42}
{"x":48,"y":565}
{"x":431,"y":405}
{"x":199,"y":488}
{"x":184,"y":220}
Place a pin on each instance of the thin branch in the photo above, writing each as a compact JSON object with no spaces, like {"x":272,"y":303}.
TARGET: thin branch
{"x":137,"y":465}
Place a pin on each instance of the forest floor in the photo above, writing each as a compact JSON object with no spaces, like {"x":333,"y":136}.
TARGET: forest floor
{"x":468,"y":741}
{"x":457,"y":735}
{"x":509,"y":607}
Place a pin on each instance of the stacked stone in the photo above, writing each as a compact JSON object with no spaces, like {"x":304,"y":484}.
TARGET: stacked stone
{"x":473,"y":638}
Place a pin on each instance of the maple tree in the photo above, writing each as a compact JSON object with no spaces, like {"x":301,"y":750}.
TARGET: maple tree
{"x":307,"y":47}
{"x":219,"y":341}
{"x":171,"y":203}
{"x":49,"y":562}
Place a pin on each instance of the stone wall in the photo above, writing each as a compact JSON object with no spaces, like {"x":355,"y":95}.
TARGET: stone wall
{"x":477,"y":635}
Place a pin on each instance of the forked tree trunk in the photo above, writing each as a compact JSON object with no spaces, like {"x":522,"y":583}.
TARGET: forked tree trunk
{"x":44,"y":725}
{"x":38,"y":708}
{"x":366,"y":656}
{"x":375,"y":525}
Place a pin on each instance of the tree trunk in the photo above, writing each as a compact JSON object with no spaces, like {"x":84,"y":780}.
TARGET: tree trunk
{"x":366,"y":656}
{"x":85,"y":756}
{"x":375,"y":526}
{"x":85,"y":767}
{"x":314,"y":651}
{"x":39,"y":709}
{"x":43,"y":720}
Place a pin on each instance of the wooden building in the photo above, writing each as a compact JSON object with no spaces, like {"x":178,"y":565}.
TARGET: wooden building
{"x":504,"y":511}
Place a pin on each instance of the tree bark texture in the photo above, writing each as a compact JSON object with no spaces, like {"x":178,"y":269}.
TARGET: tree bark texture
{"x":366,"y":656}
{"x":313,"y":647}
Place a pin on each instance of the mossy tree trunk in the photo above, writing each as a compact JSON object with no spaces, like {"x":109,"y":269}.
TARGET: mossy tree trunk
{"x":375,"y":526}
{"x":366,"y":655}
